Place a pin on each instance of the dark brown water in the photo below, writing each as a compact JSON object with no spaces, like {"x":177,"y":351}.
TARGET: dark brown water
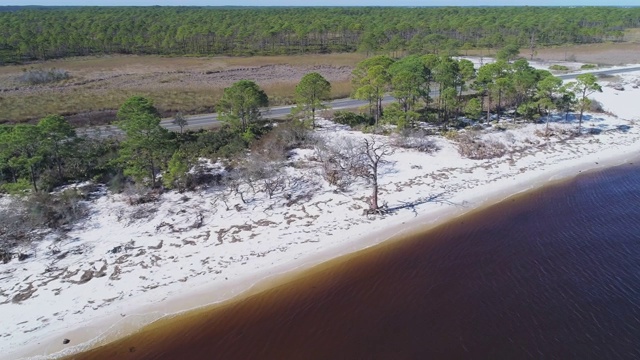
{"x":553,"y":274}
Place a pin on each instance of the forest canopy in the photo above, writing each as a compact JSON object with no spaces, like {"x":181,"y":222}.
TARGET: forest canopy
{"x":38,"y":34}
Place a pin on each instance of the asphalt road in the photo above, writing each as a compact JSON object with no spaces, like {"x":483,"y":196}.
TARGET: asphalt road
{"x":209,"y":120}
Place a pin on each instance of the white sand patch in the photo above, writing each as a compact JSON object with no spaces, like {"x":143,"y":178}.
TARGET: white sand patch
{"x":126,"y":266}
{"x":538,"y":64}
{"x":623,"y":103}
{"x":573,"y":67}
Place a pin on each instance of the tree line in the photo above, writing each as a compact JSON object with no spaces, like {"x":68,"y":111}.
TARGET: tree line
{"x":48,"y":154}
{"x":428,"y":88}
{"x":440,"y":88}
{"x":38,"y":34}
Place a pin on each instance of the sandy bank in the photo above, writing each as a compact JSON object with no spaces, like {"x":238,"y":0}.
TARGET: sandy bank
{"x":113,"y":327}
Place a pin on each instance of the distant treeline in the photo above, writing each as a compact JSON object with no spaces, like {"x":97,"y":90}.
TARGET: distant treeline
{"x":36,"y":34}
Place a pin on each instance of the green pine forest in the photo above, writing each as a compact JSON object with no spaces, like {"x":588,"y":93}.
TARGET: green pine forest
{"x":38,"y":34}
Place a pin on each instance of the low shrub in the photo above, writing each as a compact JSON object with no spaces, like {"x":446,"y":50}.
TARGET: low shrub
{"x":588,"y":66}
{"x":116,"y":182}
{"x":609,"y":77}
{"x":289,"y":135}
{"x":557,"y":67}
{"x":415,"y":139}
{"x":450,"y":134}
{"x":596,"y":106}
{"x":41,"y":76}
{"x":558,"y":132}
{"x":372,"y":129}
{"x":24,"y":221}
{"x":20,"y":187}
{"x":139,"y":195}
{"x":56,"y":210}
{"x":471,"y":146}
{"x":209,"y":143}
{"x":352,"y":119}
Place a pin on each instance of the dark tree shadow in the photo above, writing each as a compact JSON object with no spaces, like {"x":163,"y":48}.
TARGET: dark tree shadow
{"x":440,"y":198}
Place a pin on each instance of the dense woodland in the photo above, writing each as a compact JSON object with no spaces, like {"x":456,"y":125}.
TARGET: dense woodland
{"x":37,"y":34}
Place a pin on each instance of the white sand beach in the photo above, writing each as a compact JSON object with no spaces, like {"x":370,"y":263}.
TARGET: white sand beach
{"x":126,"y":266}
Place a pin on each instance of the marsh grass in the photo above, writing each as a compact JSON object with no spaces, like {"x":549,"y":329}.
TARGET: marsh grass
{"x":33,"y":106}
{"x":104,"y":83}
{"x":283,"y":93}
{"x":189,"y":100}
{"x":607,"y":53}
{"x":632,"y":35}
{"x":142,"y":64}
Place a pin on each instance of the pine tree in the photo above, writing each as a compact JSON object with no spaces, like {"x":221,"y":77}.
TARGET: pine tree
{"x":147,"y":145}
{"x":312,"y":89}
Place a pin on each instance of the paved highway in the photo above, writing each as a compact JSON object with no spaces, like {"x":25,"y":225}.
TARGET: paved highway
{"x":209,"y":120}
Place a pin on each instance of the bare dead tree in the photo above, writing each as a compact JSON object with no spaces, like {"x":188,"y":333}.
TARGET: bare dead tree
{"x":340,"y":161}
{"x":374,"y":154}
{"x":234,"y":183}
{"x":344,"y":159}
{"x":264,"y":171}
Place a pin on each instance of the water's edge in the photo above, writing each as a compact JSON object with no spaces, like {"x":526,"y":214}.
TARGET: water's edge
{"x":335,"y":263}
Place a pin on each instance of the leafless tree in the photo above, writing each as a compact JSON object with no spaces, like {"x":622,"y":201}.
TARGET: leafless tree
{"x":339,"y":161}
{"x":264,"y":173}
{"x":373,"y":154}
{"x":234,"y":182}
{"x":345,"y":159}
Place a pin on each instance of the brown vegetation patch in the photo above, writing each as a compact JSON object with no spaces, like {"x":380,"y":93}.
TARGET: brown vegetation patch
{"x":99,"y":85}
{"x":471,"y":146}
{"x":24,"y":294}
{"x":603,"y":53}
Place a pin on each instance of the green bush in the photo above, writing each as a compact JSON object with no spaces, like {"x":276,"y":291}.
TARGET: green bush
{"x":352,"y":119}
{"x":450,"y":134}
{"x":233,"y":147}
{"x":372,"y":129}
{"x":557,"y":67}
{"x":473,"y":109}
{"x":177,"y":175}
{"x":210,"y":142}
{"x":588,"y":66}
{"x":20,"y":187}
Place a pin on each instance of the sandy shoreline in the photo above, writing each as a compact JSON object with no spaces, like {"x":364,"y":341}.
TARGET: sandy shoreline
{"x":271,"y":252}
{"x":205,"y":297}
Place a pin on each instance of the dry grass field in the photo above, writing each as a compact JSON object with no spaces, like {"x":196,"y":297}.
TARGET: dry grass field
{"x":604,"y":54}
{"x":99,"y":85}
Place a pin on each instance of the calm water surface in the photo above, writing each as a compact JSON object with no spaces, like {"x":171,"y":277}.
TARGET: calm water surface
{"x":553,"y":274}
